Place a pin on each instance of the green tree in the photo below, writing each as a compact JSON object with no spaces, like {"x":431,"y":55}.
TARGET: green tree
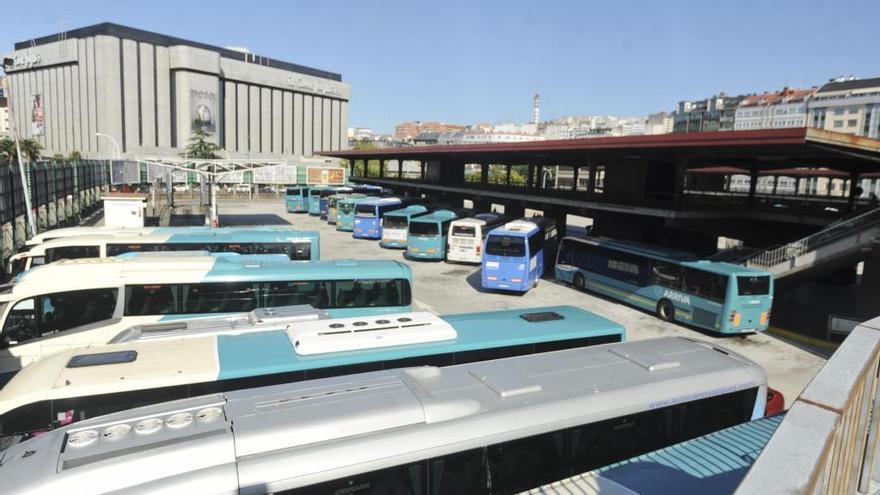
{"x":200,"y":144}
{"x":30,"y":150}
{"x":75,"y":155}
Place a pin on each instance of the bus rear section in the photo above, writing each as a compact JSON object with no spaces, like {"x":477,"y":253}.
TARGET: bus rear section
{"x":324,"y":200}
{"x":466,"y":236}
{"x":426,"y":237}
{"x":514,"y":255}
{"x":314,"y":204}
{"x":749,"y":302}
{"x":296,"y":199}
{"x":395,"y":225}
{"x":333,"y":202}
{"x":368,"y":217}
{"x":345,"y":212}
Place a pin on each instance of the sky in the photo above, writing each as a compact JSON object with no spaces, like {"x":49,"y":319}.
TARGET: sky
{"x":474,"y":61}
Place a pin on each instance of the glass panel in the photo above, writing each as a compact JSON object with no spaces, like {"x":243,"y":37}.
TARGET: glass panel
{"x":395,"y":222}
{"x":753,"y":286}
{"x":315,"y":294}
{"x":409,"y":479}
{"x":460,"y":473}
{"x":527,"y":463}
{"x":150,"y":300}
{"x":504,"y":245}
{"x":219,"y":298}
{"x":64,"y":310}
{"x":423,"y":229}
{"x":464,"y":231}
{"x":71,"y":253}
{"x":240,"y":248}
{"x":370,"y":293}
{"x":21,"y":323}
{"x":367,"y":211}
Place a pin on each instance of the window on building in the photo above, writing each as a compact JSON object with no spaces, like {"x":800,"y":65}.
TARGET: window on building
{"x":838,"y":123}
{"x":839,"y":111}
{"x":852,"y":122}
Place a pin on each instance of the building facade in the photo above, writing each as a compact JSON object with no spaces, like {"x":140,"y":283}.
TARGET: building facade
{"x":716,"y":113}
{"x":409,"y":130}
{"x":148,"y":92}
{"x":786,"y":108}
{"x":847,"y":105}
{"x":4,"y":118}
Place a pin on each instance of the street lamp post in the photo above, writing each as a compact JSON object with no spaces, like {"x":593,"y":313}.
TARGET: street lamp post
{"x":118,"y":153}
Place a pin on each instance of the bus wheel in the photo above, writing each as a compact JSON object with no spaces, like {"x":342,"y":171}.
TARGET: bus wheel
{"x":665,"y":310}
{"x":579,"y":281}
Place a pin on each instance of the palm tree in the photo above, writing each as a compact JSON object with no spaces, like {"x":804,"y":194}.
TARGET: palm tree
{"x":30,"y":150}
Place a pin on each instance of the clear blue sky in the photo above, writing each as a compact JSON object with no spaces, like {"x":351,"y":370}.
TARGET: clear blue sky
{"x":481,"y":61}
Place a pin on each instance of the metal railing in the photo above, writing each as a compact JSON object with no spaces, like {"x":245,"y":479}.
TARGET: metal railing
{"x":825,"y":236}
{"x":827,"y":442}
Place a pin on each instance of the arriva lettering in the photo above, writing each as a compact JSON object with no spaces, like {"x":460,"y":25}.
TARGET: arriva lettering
{"x":675,"y":296}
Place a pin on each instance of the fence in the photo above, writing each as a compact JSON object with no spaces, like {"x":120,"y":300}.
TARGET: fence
{"x":61,"y":194}
{"x":827,"y":442}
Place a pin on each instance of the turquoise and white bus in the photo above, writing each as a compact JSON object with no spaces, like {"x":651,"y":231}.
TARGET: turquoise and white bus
{"x":677,"y":286}
{"x":80,"y":302}
{"x":396,"y":224}
{"x":345,"y":211}
{"x":333,"y":202}
{"x":426,"y":236}
{"x":168,"y":368}
{"x":315,"y":192}
{"x":296,"y":199}
{"x":298,"y":245}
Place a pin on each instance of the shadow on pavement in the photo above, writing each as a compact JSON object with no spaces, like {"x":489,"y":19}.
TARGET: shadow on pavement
{"x":252,"y":219}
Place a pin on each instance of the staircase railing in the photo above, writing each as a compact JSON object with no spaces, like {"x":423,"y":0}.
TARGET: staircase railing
{"x":825,"y":236}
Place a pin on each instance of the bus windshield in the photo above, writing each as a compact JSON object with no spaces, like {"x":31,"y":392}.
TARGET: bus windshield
{"x":753,"y":285}
{"x":294,"y":191}
{"x":368,"y":211}
{"x":423,"y":229}
{"x":394,"y":222}
{"x":505,"y":245}
{"x":464,"y":231}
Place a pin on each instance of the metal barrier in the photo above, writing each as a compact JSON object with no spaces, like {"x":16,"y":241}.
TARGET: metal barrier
{"x":827,"y":442}
{"x":61,"y":194}
{"x":825,"y":236}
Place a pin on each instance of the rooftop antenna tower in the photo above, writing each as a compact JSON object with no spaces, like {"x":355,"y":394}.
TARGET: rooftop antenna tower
{"x":536,"y":109}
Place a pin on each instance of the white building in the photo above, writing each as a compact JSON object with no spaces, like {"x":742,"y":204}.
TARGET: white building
{"x":497,"y":137}
{"x":786,"y":108}
{"x":847,"y":105}
{"x":4,"y":119}
{"x":148,"y":91}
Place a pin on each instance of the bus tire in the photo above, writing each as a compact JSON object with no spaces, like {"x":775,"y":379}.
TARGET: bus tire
{"x":665,"y":310}
{"x":579,"y":281}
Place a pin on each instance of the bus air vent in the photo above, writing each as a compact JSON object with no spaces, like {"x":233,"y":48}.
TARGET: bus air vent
{"x":349,"y":334}
{"x":101,"y":358}
{"x":541,"y":317}
{"x":646,"y":358}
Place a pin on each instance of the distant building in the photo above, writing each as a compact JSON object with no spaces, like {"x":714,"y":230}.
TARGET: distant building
{"x":659,"y":123}
{"x":4,"y":117}
{"x":497,"y":137}
{"x":786,"y":108}
{"x":426,"y":138}
{"x":716,"y":113}
{"x":847,"y":105}
{"x":360,"y":133}
{"x":409,"y":130}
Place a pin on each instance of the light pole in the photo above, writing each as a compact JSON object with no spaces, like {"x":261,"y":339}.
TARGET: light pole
{"x":109,"y":162}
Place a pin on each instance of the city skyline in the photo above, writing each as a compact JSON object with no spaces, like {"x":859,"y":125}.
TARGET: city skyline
{"x":483,"y":63}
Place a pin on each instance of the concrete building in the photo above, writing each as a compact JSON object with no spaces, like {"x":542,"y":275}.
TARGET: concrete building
{"x":716,"y":113}
{"x":659,"y":123}
{"x":148,"y":91}
{"x":4,"y":118}
{"x":497,"y":137}
{"x":847,"y":105}
{"x":408,"y":130}
{"x":786,"y":108}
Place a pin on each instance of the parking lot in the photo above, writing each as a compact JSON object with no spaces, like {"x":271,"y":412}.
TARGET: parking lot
{"x":446,"y":288}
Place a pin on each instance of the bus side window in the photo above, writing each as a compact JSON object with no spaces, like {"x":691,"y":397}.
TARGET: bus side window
{"x":668,"y":275}
{"x":71,"y":253}
{"x":37,"y":261}
{"x":21,"y":323}
{"x":461,"y":472}
{"x":64,"y":310}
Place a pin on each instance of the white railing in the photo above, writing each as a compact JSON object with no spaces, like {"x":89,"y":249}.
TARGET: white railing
{"x":833,"y":232}
{"x":827,"y":443}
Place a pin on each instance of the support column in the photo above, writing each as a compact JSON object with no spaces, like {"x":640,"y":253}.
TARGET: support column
{"x":775,"y":184}
{"x":507,"y":180}
{"x":530,"y":180}
{"x":422,"y":170}
{"x":514,"y":210}
{"x":853,"y":190}
{"x":484,"y":174}
{"x":575,"y":170}
{"x":591,"y":181}
{"x":381,"y":168}
{"x":753,"y":184}
{"x":400,"y":168}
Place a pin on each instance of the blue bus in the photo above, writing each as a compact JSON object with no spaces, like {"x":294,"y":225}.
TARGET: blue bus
{"x":296,"y":199}
{"x":306,"y":350}
{"x":675,"y":285}
{"x":427,"y":235}
{"x":515,"y":253}
{"x":368,"y":216}
{"x":396,"y":223}
{"x":345,"y":211}
{"x":314,"y":197}
{"x":324,"y":199}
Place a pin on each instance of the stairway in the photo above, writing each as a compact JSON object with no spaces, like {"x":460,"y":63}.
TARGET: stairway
{"x":841,"y":242}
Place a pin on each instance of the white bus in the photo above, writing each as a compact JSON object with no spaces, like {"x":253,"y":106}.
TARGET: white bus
{"x":74,"y":303}
{"x":500,"y":426}
{"x":66,"y":232}
{"x":466,"y":236}
{"x":297,"y":244}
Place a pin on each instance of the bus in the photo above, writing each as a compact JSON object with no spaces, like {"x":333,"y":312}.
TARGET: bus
{"x":298,"y":245}
{"x":296,"y":199}
{"x":66,"y":232}
{"x":502,"y":426}
{"x":368,"y":216}
{"x":426,"y":236}
{"x":676,"y":286}
{"x":332,"y":202}
{"x":515,"y":254}
{"x":283,"y":351}
{"x":396,"y":223}
{"x":466,"y":236}
{"x":315,"y":198}
{"x":83,"y":301}
{"x":323,"y":199}
{"x":345,"y":212}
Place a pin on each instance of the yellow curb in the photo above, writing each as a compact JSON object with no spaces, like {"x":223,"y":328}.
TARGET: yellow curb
{"x":803,"y":339}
